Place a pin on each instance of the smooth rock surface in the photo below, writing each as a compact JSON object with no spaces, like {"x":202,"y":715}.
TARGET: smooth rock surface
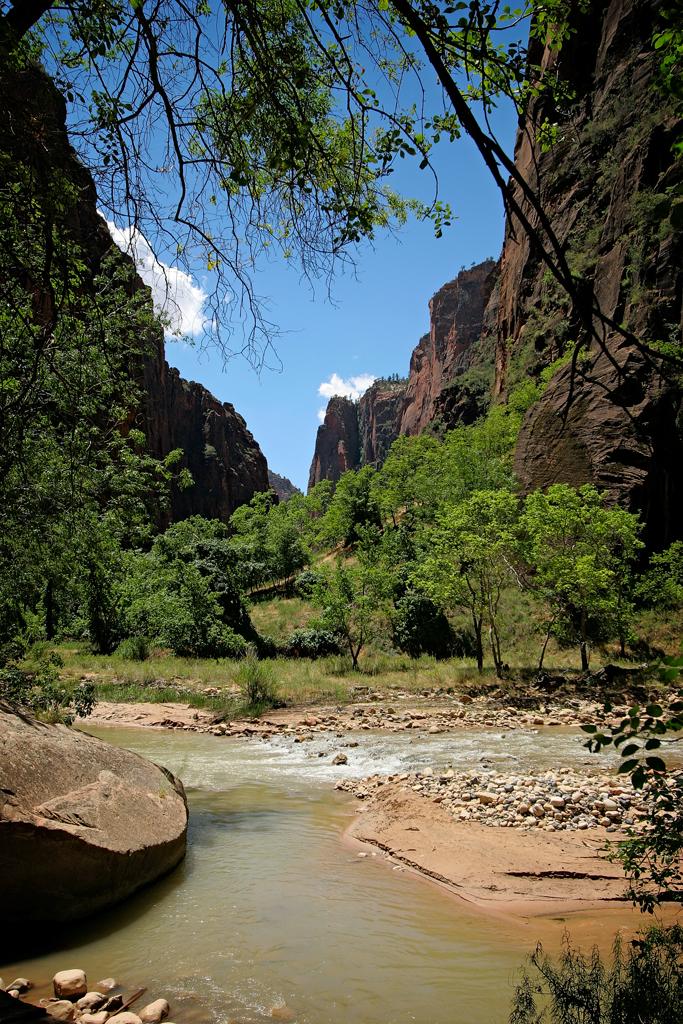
{"x":155,"y":1012}
{"x":86,"y":823}
{"x":70,"y":984}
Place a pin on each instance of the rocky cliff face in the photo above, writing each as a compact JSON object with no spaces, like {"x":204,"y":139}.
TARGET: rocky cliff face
{"x":612,"y":191}
{"x":225,"y":461}
{"x":283,"y":487}
{"x":337,"y":444}
{"x":456,"y":318}
{"x":611,"y":188}
{"x":379,"y":419}
{"x":461,"y":319}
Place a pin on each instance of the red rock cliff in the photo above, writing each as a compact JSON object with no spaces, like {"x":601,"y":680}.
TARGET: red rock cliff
{"x":611,"y":187}
{"x":461,"y":315}
{"x":456,"y":318}
{"x":226,"y":463}
{"x":337,"y":443}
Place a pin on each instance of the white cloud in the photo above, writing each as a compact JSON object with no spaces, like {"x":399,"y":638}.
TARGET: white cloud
{"x":352,"y":387}
{"x":175,"y":295}
{"x":321,"y":415}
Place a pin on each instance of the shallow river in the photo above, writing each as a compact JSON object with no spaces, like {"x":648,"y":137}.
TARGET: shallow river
{"x":271,"y":909}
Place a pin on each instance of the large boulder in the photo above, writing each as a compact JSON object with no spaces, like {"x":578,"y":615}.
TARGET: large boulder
{"x":82,"y":824}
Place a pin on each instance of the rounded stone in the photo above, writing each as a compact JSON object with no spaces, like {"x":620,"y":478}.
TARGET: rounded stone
{"x":155,"y":1012}
{"x":91,"y":1001}
{"x":62,"y":1009}
{"x":70,"y":984}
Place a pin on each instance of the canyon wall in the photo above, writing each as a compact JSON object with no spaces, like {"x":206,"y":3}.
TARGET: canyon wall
{"x":611,"y":188}
{"x":337,"y":444}
{"x":225,"y":461}
{"x":360,"y":433}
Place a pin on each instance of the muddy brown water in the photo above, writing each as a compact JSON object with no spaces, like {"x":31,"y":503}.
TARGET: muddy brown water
{"x":271,"y":909}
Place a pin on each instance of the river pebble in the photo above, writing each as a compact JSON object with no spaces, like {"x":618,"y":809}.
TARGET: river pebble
{"x":560,"y":800}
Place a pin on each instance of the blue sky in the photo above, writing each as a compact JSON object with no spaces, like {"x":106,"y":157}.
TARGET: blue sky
{"x":375,"y":319}
{"x":376,"y":315}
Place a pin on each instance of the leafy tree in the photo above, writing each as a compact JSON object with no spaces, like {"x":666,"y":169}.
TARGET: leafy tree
{"x":408,"y":483}
{"x":469,"y":561}
{"x":579,"y":551}
{"x":353,"y":508}
{"x":184,"y":593}
{"x":354,"y":601}
{"x":74,"y":331}
{"x":283,"y":119}
{"x":420,"y":627}
{"x":662,"y":585}
{"x":642,"y":984}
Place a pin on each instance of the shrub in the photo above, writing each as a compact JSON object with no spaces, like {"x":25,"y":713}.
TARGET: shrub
{"x":306,"y":582}
{"x":312,"y":643}
{"x":257,"y":683}
{"x":133,"y":648}
{"x":36,"y":689}
{"x":643,"y":984}
{"x":189,"y":639}
{"x":419,"y":627}
{"x":662,"y":584}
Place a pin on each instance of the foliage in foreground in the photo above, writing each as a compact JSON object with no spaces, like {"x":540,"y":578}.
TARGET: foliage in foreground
{"x":651,"y":857}
{"x":643,"y":983}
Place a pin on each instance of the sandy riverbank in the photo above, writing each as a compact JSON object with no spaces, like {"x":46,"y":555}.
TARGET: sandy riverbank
{"x":523,"y":874}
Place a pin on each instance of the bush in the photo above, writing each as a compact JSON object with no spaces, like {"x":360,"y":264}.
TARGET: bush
{"x":36,"y":689}
{"x":190,"y":639}
{"x":420,"y":627}
{"x":133,"y":648}
{"x":662,"y":584}
{"x":644,"y":984}
{"x":257,"y":683}
{"x":312,"y":643}
{"x":306,"y":582}
{"x":266,"y":646}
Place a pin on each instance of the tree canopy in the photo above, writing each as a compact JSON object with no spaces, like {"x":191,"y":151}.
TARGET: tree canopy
{"x":218,"y":133}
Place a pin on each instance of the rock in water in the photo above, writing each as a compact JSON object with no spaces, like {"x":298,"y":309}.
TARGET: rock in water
{"x":82,"y":823}
{"x":70,"y":984}
{"x":155,"y":1012}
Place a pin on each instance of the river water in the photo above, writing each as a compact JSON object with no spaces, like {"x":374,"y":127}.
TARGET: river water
{"x":271,"y":909}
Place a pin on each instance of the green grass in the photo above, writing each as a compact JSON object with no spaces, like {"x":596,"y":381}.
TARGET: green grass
{"x":164,"y":678}
{"x":279,"y":617}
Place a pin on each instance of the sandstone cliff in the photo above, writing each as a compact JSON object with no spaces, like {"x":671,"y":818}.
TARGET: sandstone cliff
{"x":612,"y":191}
{"x":283,"y":487}
{"x":438,"y":387}
{"x":225,"y":461}
{"x":456,"y":320}
{"x":337,"y":444}
{"x":379,"y":419}
{"x":611,"y":186}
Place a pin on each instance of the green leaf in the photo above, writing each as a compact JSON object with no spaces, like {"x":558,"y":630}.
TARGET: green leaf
{"x":589,"y":728}
{"x":655,"y":763}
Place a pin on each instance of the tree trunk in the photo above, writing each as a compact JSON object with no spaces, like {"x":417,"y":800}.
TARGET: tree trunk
{"x":545,"y":645}
{"x":583,"y":647}
{"x":479,"y":644}
{"x":50,"y":612}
